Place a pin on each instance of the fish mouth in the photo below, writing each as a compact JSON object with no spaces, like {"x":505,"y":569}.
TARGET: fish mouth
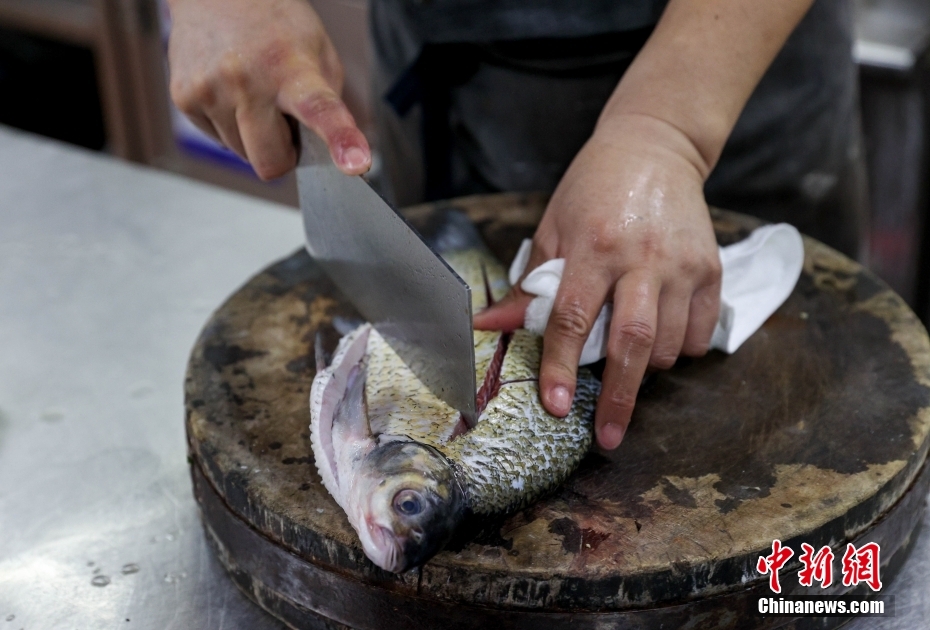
{"x":384,"y":549}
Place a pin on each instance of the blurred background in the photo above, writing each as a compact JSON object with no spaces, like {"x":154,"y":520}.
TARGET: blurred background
{"x":93,"y":73}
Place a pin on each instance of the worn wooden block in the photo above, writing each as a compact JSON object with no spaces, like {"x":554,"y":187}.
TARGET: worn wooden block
{"x":813,"y":431}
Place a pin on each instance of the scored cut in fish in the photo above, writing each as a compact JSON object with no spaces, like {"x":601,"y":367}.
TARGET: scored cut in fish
{"x":404,"y":465}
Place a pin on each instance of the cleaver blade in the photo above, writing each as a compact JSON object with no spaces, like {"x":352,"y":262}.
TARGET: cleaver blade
{"x":390,"y":274}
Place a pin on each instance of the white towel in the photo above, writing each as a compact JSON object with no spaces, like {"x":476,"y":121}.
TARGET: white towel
{"x":759,"y":274}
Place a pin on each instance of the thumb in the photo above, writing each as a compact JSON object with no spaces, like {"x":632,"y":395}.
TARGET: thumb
{"x":507,"y":314}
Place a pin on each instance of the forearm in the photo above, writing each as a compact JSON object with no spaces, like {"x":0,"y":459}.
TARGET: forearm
{"x":699,"y":68}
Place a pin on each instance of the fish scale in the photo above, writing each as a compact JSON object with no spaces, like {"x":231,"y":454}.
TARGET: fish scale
{"x":518,"y":451}
{"x":399,"y":404}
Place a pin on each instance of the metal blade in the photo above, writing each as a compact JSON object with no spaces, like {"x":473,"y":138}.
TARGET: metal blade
{"x":394,"y":279}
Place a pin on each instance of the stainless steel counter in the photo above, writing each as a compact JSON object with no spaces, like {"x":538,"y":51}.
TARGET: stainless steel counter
{"x":107,"y":273}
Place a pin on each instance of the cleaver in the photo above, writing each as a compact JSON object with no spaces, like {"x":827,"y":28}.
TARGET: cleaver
{"x":390,"y":274}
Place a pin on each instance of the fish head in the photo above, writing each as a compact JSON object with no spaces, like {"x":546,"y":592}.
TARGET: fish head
{"x":408,"y":504}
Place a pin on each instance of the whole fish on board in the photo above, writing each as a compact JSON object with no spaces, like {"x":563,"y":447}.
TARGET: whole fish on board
{"x":404,"y":465}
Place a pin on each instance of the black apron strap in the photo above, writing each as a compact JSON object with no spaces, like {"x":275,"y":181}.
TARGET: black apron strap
{"x":429,"y":81}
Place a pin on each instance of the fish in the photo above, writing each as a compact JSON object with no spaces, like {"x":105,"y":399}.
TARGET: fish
{"x":404,"y":466}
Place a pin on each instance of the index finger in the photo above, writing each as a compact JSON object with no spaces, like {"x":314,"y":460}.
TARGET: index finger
{"x":509,"y":312}
{"x":577,"y":303}
{"x":309,"y":99}
{"x":632,"y":335}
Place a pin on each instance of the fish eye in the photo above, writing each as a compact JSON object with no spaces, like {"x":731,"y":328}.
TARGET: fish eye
{"x":408,"y":503}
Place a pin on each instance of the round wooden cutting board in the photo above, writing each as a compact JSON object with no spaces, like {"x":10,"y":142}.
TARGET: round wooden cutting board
{"x":815,"y":431}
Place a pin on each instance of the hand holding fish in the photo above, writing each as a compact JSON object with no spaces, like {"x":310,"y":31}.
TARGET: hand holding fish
{"x":629,"y":216}
{"x":630,"y":219}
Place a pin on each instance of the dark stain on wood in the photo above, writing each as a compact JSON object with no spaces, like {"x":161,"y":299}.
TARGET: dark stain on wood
{"x":574,"y":538}
{"x":678,"y":496}
{"x":222,"y":355}
{"x":287,"y":461}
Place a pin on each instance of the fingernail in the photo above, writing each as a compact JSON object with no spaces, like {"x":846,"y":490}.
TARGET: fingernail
{"x":610,"y":436}
{"x":560,"y":399}
{"x":354,"y":158}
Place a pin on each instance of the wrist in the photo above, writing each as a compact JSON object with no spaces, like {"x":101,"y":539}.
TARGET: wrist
{"x":655,"y":136}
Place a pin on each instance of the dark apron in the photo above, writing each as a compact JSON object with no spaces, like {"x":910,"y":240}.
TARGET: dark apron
{"x":469,"y":111}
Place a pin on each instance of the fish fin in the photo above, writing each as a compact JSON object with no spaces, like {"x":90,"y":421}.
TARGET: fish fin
{"x":350,"y":418}
{"x":319,"y":353}
{"x":488,"y":295}
{"x":327,"y":394}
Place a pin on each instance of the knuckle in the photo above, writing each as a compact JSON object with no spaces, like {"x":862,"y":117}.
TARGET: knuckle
{"x":232,"y":72}
{"x":663,"y":359}
{"x":272,"y":169}
{"x":609,"y":237}
{"x":539,"y":242}
{"x":267,"y":171}
{"x":275,"y":54}
{"x":335,"y":72}
{"x":320,"y":107}
{"x":706,"y":268}
{"x":556,"y":373}
{"x":695,"y":348}
{"x":570,"y":320}
{"x":540,"y":246}
{"x":180,"y":97}
{"x":636,"y":333}
{"x":176,"y":88}
{"x":706,"y":302}
{"x":621,"y":400}
{"x":190,"y":96}
{"x":650,"y":243}
{"x":604,"y":238}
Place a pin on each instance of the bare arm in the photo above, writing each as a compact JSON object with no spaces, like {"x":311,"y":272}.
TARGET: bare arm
{"x":629,"y":215}
{"x":700,"y":66}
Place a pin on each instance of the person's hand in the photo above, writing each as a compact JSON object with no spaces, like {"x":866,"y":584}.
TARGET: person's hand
{"x":630,"y":220}
{"x":239,"y":66}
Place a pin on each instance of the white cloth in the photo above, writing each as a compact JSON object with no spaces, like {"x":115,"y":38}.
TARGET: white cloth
{"x":759,"y":274}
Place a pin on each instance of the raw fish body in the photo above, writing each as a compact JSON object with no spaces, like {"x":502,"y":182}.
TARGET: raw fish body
{"x":403,"y":464}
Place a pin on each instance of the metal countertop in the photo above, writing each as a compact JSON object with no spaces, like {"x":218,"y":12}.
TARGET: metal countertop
{"x":107,"y":273}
